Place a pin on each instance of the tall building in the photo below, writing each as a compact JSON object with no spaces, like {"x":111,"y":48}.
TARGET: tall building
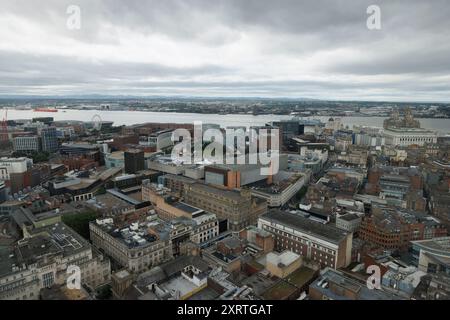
{"x":27,"y":144}
{"x":134,"y":161}
{"x":49,"y":139}
{"x":288,"y":129}
{"x":16,"y":172}
{"x":3,"y":192}
{"x":10,"y":166}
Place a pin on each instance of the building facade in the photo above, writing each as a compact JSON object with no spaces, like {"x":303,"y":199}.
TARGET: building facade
{"x":348,"y":222}
{"x":49,"y":139}
{"x":320,"y":243}
{"x":127,"y":248}
{"x":404,"y":137}
{"x":27,"y":144}
{"x":134,"y":161}
{"x":46,"y":257}
{"x":240,"y":209}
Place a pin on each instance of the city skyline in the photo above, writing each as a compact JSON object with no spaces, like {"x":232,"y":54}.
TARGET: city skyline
{"x":291,"y":49}
{"x":221,"y":156}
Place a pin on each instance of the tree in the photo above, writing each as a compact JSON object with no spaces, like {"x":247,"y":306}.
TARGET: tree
{"x":80,"y":222}
{"x":104,"y":293}
{"x":302,"y":192}
{"x":37,"y":157}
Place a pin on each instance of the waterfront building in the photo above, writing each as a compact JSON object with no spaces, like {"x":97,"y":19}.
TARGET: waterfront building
{"x":407,"y":131}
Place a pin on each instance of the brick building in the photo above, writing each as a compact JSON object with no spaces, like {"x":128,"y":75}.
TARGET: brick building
{"x":393,"y":229}
{"x":324,"y":244}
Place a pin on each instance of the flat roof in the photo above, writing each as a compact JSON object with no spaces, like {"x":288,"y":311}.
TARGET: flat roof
{"x":185,"y":207}
{"x":437,"y":245}
{"x":343,"y":280}
{"x":280,"y":291}
{"x":123,"y":196}
{"x":54,"y":239}
{"x":301,"y":276}
{"x":305,"y":225}
{"x":80,"y":146}
{"x":349,"y":217}
{"x":180,"y":284}
{"x":107,"y":201}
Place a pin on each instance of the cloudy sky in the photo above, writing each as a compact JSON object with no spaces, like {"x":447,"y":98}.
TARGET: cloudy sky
{"x":265,"y":48}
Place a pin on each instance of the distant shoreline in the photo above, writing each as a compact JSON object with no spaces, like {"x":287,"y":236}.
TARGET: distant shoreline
{"x":183,"y":111}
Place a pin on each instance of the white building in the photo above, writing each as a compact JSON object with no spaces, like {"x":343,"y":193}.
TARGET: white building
{"x":42,"y":259}
{"x":371,"y":140}
{"x":27,"y":144}
{"x":409,"y":136}
{"x":348,"y":222}
{"x":206,"y":227}
{"x":334,"y":124}
{"x":282,"y":190}
{"x":14,"y":165}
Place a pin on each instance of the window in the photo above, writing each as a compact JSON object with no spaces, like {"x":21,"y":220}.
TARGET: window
{"x":48,"y":279}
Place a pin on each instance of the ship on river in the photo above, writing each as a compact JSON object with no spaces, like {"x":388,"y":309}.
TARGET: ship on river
{"x":45,"y":110}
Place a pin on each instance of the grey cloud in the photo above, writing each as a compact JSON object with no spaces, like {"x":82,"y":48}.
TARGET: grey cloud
{"x":27,"y":69}
{"x":413,"y":45}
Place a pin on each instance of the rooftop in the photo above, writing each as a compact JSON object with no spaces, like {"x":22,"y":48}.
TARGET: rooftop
{"x":301,"y":276}
{"x":186,"y":208}
{"x":235,"y":195}
{"x":349,"y":217}
{"x":440,"y":246}
{"x":283,"y":259}
{"x":296,"y":221}
{"x":57,"y":239}
{"x":281,"y":182}
{"x":342,"y":280}
{"x":138,"y":234}
{"x":124,"y":197}
{"x":108,"y":202}
{"x":80,"y":146}
{"x":280,"y":291}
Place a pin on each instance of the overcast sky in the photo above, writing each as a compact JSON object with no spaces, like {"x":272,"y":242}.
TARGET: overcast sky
{"x":265,"y":48}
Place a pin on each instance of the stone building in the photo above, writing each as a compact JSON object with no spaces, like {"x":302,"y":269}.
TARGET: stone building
{"x":239,"y":208}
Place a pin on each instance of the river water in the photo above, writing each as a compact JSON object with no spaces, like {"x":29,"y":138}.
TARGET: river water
{"x":135,"y":117}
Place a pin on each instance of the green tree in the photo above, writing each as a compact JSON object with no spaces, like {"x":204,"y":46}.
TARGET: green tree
{"x":301,"y":193}
{"x":104,"y":293}
{"x":80,"y":222}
